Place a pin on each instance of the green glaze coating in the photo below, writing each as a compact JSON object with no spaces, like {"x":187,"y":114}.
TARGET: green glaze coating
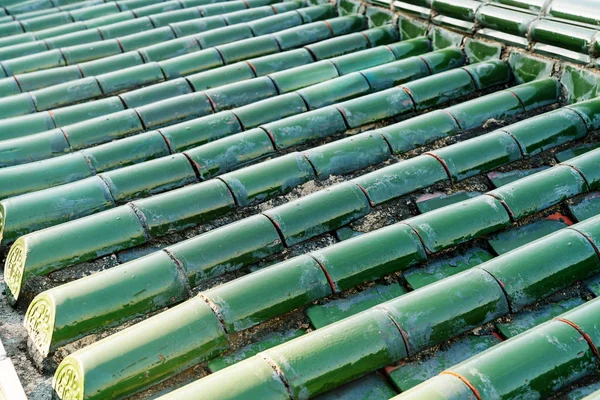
{"x":326,"y":49}
{"x":219,"y":76}
{"x":420,"y":130}
{"x":369,"y":257}
{"x":472,"y":114}
{"x":296,"y":37}
{"x":27,"y":178}
{"x":110,"y":64}
{"x":188,"y":44}
{"x":241,"y":93}
{"x":334,"y":91}
{"x":119,"y":81}
{"x":34,"y":62}
{"x":364,"y":110}
{"x":64,"y":314}
{"x":87,"y":52}
{"x":469,"y":219}
{"x":370,"y":58}
{"x":338,"y":309}
{"x":589,"y":228}
{"x":401,"y":178}
{"x":227,"y":249}
{"x":91,"y":370}
{"x":189,"y":206}
{"x":537,"y":93}
{"x":268,"y":293}
{"x":585,"y":317}
{"x":589,"y":110}
{"x":249,"y":48}
{"x":470,"y":299}
{"x":275,"y":23}
{"x":173,"y":110}
{"x":42,"y":252}
{"x":540,"y":191}
{"x":489,"y":73}
{"x":444,"y":60}
{"x":428,"y":93}
{"x":548,"y":130}
{"x":32,"y":81}
{"x":319,"y":212}
{"x":504,"y":20}
{"x":269,"y":64}
{"x":147,"y":38}
{"x":270,"y":178}
{"x":420,"y":276}
{"x":255,"y":379}
{"x":348,"y":155}
{"x":303,"y":76}
{"x":542,"y":361}
{"x":330,"y":363}
{"x":131,"y":150}
{"x":441,"y":387}
{"x":295,"y":130}
{"x":142,"y":180}
{"x":395,"y":73}
{"x":42,"y":209}
{"x":19,"y":104}
{"x":25,"y":150}
{"x":230,"y":153}
{"x":479,"y":155}
{"x":21,"y":126}
{"x":103,"y":129}
{"x":82,"y":112}
{"x":189,"y":134}
{"x":463,"y":9}
{"x":191,"y":63}
{"x":566,"y":36}
{"x":587,"y":165}
{"x":268,"y":110}
{"x":539,"y":269}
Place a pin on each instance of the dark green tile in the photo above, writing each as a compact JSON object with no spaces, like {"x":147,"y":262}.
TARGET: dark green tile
{"x":418,"y":277}
{"x":369,"y":387}
{"x":528,"y":319}
{"x":502,"y":178}
{"x":336,"y":310}
{"x":432,"y":201}
{"x":567,"y":154}
{"x":252,"y":349}
{"x":411,"y":374}
{"x":585,"y":207}
{"x":506,"y":241}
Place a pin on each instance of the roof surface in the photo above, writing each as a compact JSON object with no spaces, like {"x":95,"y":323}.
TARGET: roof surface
{"x":264,"y":199}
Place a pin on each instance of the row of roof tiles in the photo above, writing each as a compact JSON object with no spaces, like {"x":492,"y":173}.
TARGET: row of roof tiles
{"x":365,"y":342}
{"x":431,"y":246}
{"x":48,"y":320}
{"x":556,"y":28}
{"x":253,"y":145}
{"x":39,"y":25}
